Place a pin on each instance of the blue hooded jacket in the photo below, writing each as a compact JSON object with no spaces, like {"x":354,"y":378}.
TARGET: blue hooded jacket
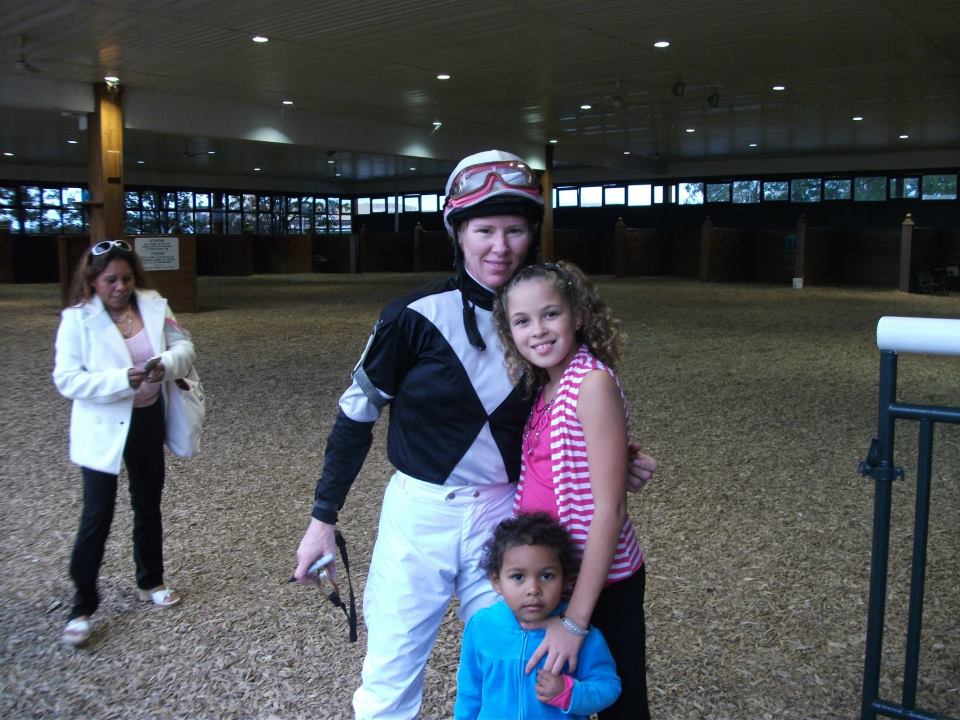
{"x":491,"y":684}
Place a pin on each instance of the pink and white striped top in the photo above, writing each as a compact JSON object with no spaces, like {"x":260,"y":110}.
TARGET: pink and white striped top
{"x":571,"y":472}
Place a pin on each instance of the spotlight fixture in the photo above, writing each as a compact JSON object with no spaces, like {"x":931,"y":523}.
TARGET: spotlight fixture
{"x":713,"y":99}
{"x":678,"y":88}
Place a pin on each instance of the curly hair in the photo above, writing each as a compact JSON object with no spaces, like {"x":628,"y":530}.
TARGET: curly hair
{"x":90,"y":266}
{"x":537,"y":528}
{"x":599,"y":329}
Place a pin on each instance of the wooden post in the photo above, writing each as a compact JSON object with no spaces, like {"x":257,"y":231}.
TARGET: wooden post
{"x":619,"y":230}
{"x":706,"y":232}
{"x":907,"y":281}
{"x":799,"y":268}
{"x":546,"y":228}
{"x":105,"y":164}
{"x":6,"y":253}
{"x":417,"y":247}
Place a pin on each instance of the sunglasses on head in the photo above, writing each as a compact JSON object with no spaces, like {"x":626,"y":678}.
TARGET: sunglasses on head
{"x":105,"y":246}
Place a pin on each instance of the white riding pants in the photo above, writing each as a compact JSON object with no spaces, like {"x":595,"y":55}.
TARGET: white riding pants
{"x":428,"y":548}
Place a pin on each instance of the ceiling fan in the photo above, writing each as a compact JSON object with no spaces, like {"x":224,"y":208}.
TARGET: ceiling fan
{"x":22,"y":64}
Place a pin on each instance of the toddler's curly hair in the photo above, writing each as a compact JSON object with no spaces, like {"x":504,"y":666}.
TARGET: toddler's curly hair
{"x":530,"y":529}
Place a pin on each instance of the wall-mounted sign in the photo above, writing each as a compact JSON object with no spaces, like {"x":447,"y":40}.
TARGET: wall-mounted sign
{"x":158,"y":253}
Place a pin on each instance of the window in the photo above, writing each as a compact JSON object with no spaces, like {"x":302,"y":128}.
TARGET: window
{"x":805,"y":190}
{"x":428,"y":203}
{"x":613,"y":196}
{"x":904,"y":187}
{"x":591,"y":196}
{"x":411,"y":203}
{"x":568,"y":198}
{"x":939,"y":187}
{"x":658,"y":195}
{"x":718,"y":192}
{"x":836,"y":189}
{"x":867,"y":189}
{"x":746,"y":191}
{"x":775,"y":190}
{"x":639,"y":195}
{"x":689,"y":193}
{"x":379,"y":205}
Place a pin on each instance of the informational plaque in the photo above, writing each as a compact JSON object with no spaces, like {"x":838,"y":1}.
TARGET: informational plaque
{"x":158,"y":253}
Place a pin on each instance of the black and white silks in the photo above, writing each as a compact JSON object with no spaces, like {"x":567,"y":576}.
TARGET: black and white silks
{"x":455,"y":417}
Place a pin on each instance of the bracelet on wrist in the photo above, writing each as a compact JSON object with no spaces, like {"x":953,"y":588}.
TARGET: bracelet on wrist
{"x":571,"y":627}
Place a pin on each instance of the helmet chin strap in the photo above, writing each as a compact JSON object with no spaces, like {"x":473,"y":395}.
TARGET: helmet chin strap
{"x":469,"y":314}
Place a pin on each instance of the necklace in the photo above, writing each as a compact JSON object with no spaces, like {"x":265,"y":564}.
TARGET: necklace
{"x":123,"y":322}
{"x":536,"y":422}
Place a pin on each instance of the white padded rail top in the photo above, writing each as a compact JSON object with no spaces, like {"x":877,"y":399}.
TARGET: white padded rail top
{"x":934,"y":336}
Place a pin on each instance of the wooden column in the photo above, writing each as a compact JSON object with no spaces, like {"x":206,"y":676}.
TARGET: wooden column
{"x":906,"y":255}
{"x":417,"y":247}
{"x":800,"y":262}
{"x":546,"y":228}
{"x":619,"y":230}
{"x":105,"y":164}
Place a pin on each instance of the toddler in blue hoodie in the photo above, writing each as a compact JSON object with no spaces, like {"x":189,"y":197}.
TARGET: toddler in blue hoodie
{"x":530,"y":561}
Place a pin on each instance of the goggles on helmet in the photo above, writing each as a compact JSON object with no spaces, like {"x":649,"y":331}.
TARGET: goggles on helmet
{"x":481,"y":179}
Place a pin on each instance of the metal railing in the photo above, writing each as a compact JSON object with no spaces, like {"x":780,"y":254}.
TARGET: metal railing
{"x":907,"y":335}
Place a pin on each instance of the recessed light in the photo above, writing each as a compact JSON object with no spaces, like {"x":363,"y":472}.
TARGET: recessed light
{"x":904,"y":136}
{"x":338,"y":174}
{"x":443,"y":76}
{"x":139,"y":162}
{"x":8,"y":154}
{"x":287,"y":102}
{"x":260,"y":38}
{"x":256,"y":169}
{"x":72,"y":142}
{"x":626,"y":152}
{"x":437,"y":123}
{"x":690,"y":130}
{"x":661,"y":44}
{"x":553,"y":141}
{"x":111,"y":79}
{"x":413,"y":169}
{"x":586,"y":106}
{"x":753,"y":144}
{"x":857,"y":118}
{"x":330,"y":162}
{"x":779,"y":88}
{"x":211,"y":152}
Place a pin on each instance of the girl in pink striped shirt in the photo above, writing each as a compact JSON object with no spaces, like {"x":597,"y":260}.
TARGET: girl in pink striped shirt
{"x":562,"y":340}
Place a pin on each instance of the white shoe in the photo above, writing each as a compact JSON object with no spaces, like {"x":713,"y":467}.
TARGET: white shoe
{"x":77,"y":631}
{"x":161,"y":596}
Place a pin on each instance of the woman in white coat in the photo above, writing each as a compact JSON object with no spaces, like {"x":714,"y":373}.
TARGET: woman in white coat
{"x":116,"y":345}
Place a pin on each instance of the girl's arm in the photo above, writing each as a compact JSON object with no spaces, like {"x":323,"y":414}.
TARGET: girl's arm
{"x":601,"y":412}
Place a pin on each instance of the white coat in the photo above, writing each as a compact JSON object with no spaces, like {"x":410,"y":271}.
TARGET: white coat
{"x":91,"y":366}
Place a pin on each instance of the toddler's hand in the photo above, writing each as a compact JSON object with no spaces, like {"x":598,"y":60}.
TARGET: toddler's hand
{"x":548,"y":685}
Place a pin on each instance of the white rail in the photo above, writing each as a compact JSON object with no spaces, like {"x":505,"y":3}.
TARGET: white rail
{"x":934,"y":336}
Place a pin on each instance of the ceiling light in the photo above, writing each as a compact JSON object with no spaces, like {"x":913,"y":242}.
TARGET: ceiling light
{"x":113,"y":79}
{"x":72,"y":142}
{"x":443,"y":76}
{"x":211,"y":152}
{"x":139,"y":162}
{"x":553,"y":141}
{"x":661,"y":44}
{"x":713,"y":99}
{"x":753,"y":144}
{"x":437,"y":123}
{"x":858,"y":118}
{"x":904,"y":136}
{"x":260,"y":39}
{"x":256,"y":169}
{"x":586,"y":106}
{"x":287,"y":102}
{"x":779,"y":88}
{"x":330,"y":162}
{"x":413,"y":169}
{"x":8,"y":154}
{"x":691,"y":130}
{"x":626,"y":152}
{"x":678,"y":88}
{"x":338,"y":174}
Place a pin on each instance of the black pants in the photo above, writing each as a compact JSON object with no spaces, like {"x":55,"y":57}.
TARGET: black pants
{"x":143,"y":457}
{"x":619,"y":616}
